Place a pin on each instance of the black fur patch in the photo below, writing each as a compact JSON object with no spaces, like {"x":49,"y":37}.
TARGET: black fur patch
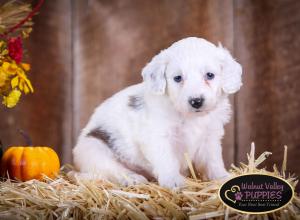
{"x":135,"y":102}
{"x":101,"y":134}
{"x":106,"y":137}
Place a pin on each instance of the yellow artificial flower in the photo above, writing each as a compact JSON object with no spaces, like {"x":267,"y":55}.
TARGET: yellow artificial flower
{"x":3,"y":78}
{"x":13,"y":79}
{"x":10,"y":68}
{"x":26,"y":66}
{"x":12,"y":99}
{"x":22,"y":81}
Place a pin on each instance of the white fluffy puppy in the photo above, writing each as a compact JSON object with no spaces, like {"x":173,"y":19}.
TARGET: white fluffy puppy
{"x":181,"y":107}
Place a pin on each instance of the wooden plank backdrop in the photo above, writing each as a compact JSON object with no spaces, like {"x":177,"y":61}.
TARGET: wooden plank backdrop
{"x":82,"y":52}
{"x":115,"y":39}
{"x":267,"y":44}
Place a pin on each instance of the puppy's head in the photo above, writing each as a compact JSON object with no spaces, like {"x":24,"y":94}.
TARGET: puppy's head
{"x":194,"y":73}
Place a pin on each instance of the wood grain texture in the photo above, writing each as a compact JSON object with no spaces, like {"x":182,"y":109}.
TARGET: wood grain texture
{"x":113,"y":40}
{"x":46,"y":115}
{"x":268,"y":45}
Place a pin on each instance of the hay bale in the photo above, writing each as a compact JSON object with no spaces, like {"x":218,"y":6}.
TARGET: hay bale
{"x":63,"y":198}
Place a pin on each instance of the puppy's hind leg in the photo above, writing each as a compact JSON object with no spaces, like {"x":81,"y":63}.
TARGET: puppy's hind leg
{"x":96,"y":160}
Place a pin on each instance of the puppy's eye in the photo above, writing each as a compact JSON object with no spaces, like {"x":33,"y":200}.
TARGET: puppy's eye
{"x":209,"y":76}
{"x":178,"y":78}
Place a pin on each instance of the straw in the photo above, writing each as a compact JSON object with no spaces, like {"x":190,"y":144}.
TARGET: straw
{"x":64,"y":198}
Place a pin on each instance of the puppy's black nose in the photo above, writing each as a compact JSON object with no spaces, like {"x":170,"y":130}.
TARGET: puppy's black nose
{"x":196,"y":102}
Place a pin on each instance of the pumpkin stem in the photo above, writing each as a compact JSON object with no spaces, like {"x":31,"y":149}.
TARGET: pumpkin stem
{"x":26,"y":137}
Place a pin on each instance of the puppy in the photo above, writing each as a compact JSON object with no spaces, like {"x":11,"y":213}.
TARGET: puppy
{"x":143,"y":131}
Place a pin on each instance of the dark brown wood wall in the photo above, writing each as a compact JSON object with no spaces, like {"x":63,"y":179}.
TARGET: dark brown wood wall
{"x":267,"y":43}
{"x":84,"y":51}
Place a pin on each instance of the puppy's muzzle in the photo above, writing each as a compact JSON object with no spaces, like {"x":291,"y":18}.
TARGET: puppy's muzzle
{"x":196,"y":102}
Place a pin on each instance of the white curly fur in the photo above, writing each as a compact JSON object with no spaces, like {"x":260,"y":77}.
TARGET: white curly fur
{"x":144,"y":130}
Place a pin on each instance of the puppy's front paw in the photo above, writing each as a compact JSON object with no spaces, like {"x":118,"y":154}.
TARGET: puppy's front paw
{"x":221,"y":174}
{"x":79,"y":176}
{"x":132,"y":179}
{"x":171,"y":181}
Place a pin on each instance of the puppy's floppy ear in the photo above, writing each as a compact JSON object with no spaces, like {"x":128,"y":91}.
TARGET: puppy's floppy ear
{"x":231,"y":72}
{"x":154,"y":74}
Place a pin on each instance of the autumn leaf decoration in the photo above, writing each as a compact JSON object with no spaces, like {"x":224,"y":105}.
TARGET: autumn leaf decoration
{"x":15,"y":25}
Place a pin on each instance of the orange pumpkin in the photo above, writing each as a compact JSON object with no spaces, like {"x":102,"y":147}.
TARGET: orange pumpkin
{"x":26,"y":163}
